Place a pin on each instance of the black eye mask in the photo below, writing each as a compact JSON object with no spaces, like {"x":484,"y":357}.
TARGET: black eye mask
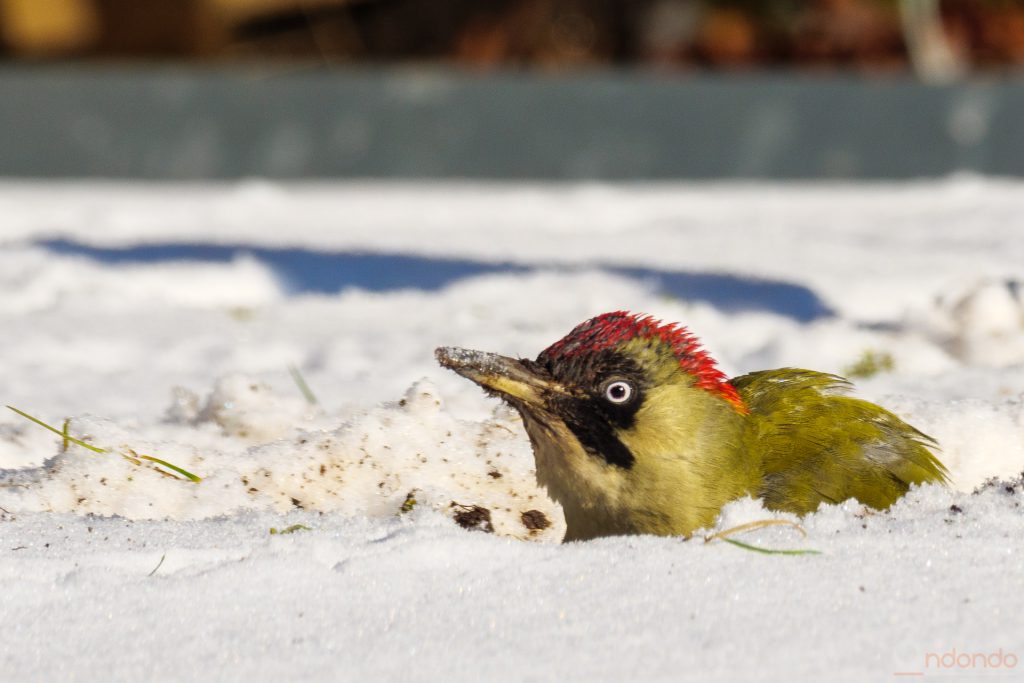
{"x":592,"y":426}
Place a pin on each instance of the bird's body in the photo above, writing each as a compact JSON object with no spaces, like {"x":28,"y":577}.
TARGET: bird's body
{"x":634,"y":430}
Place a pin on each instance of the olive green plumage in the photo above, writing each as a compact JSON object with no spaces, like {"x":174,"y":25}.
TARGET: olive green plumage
{"x":817,"y":445}
{"x":635,"y":431}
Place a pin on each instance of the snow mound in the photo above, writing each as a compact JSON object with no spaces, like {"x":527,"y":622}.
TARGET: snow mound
{"x":259,"y":450}
{"x":980,"y":324}
{"x":33,"y":280}
{"x":256,"y":450}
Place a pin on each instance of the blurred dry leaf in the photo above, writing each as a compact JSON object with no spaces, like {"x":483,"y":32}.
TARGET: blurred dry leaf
{"x":48,"y":27}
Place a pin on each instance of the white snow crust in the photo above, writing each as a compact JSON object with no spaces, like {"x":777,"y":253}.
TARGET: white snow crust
{"x":162,"y":320}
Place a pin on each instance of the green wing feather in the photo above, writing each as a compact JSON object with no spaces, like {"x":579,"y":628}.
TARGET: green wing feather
{"x":818,"y":445}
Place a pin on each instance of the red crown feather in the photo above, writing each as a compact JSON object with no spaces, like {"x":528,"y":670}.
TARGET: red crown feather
{"x":611,"y":329}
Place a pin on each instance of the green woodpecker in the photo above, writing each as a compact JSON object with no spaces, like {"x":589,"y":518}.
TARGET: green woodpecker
{"x":635,"y":431}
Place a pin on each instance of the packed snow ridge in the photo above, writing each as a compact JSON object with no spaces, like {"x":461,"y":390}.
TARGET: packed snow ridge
{"x":163,"y":320}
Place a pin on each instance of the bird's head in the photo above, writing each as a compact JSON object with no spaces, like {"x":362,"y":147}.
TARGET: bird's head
{"x":619,"y":412}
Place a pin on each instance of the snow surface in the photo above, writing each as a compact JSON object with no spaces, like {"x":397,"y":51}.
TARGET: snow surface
{"x":163,"y":319}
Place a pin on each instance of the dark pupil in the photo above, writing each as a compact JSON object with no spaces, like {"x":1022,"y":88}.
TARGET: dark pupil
{"x":618,"y":391}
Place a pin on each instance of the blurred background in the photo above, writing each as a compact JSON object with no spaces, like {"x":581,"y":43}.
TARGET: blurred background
{"x":936,"y":39}
{"x":573,"y":89}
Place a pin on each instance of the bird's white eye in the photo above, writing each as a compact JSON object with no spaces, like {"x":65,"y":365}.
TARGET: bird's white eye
{"x":618,"y":391}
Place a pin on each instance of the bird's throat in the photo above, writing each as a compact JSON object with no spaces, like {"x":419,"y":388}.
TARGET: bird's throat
{"x":682,"y":467}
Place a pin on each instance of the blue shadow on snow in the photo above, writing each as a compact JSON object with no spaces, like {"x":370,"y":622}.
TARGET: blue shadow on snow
{"x":309,"y":271}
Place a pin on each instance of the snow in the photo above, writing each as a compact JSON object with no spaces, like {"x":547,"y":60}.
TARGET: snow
{"x":163,"y":320}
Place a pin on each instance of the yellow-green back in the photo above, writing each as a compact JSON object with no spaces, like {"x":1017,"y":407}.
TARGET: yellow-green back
{"x":817,"y":445}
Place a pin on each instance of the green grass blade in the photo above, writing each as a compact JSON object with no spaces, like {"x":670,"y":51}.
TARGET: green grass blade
{"x":769,"y":551}
{"x":63,"y":435}
{"x":289,"y":530}
{"x":300,"y":382}
{"x":182,"y":472}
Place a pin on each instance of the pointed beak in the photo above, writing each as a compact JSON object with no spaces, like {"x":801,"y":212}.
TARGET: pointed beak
{"x":517,"y":380}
